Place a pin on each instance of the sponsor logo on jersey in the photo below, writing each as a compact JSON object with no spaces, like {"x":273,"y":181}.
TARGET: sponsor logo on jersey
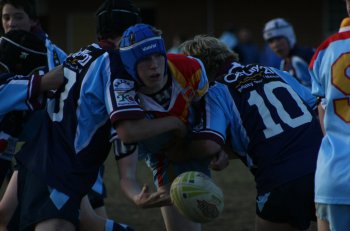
{"x":125,"y":99}
{"x":123,"y":85}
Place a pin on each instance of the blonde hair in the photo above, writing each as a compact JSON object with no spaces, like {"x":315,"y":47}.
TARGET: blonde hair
{"x":210,"y":50}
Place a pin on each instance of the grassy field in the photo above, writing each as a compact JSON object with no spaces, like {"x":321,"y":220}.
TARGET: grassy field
{"x":236,"y":182}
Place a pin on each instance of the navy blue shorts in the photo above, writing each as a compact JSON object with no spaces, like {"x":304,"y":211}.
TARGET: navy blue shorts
{"x":38,"y":202}
{"x":98,"y":193}
{"x":291,"y":203}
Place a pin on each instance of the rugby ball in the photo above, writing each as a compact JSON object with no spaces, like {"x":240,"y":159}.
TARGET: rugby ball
{"x":197,"y":197}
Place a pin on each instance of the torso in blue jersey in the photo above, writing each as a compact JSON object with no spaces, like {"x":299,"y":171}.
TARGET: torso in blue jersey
{"x":269,"y":120}
{"x":74,"y":138}
{"x":298,"y":63}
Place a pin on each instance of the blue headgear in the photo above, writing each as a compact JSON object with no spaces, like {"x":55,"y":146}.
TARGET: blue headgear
{"x":138,"y":42}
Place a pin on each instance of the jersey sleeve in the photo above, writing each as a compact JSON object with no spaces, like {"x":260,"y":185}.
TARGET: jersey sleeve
{"x":189,"y":72}
{"x":121,"y":96}
{"x":314,"y":68}
{"x":20,"y":92}
{"x":214,"y":119}
{"x":200,"y":81}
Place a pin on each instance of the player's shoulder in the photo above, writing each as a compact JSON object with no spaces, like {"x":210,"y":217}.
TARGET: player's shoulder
{"x":218,"y":89}
{"x":333,"y":43}
{"x":183,"y":61}
{"x":85,"y":56}
{"x":184,"y":66}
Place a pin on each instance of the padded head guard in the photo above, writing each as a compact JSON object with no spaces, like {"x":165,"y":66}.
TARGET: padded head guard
{"x":279,"y":27}
{"x":114,"y":17}
{"x":139,"y":42}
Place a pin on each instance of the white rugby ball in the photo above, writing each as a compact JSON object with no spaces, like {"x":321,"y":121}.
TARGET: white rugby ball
{"x":197,"y":197}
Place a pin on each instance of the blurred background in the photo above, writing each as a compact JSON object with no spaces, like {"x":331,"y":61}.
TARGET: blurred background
{"x":71,"y":24}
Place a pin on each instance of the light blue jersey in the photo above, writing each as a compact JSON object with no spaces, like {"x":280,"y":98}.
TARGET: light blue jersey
{"x":298,"y":67}
{"x":330,"y":72}
{"x":27,"y":90}
{"x":80,"y":118}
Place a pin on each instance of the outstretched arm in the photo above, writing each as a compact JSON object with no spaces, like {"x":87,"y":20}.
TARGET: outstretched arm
{"x":141,"y":196}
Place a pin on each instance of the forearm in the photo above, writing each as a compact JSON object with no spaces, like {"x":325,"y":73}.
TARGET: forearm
{"x":208,"y":149}
{"x":130,"y":188}
{"x":231,"y":154}
{"x":52,"y":80}
{"x":199,"y":149}
{"x":127,"y":169}
{"x":132,"y":131}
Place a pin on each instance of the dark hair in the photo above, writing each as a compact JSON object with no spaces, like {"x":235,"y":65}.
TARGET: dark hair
{"x":28,"y":6}
{"x":115,"y":16}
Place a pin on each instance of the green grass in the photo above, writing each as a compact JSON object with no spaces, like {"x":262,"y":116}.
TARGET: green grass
{"x":235,"y":181}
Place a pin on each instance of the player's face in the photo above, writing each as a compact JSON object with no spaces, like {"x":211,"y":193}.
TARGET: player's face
{"x":151,"y":72}
{"x":15,"y":19}
{"x":280,"y":46}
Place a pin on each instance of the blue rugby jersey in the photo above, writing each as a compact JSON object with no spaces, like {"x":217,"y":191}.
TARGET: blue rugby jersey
{"x":27,"y":90}
{"x":73,"y":140}
{"x":330,"y":74}
{"x":299,"y":62}
{"x":55,"y":57}
{"x":268,"y":118}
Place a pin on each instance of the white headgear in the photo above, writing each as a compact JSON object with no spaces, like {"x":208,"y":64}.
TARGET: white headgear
{"x":279,"y":27}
